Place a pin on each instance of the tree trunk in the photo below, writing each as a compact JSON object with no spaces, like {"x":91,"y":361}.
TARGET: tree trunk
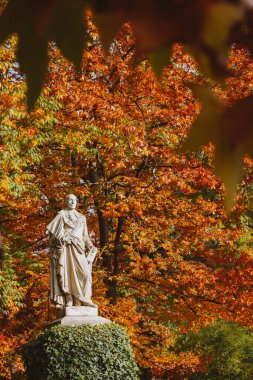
{"x":1,"y":253}
{"x":112,"y":291}
{"x":103,"y":232}
{"x":110,"y":262}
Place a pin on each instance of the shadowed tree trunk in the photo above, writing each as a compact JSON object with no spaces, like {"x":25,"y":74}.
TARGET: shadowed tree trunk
{"x":116,"y":251}
{"x":110,"y":260}
{"x":1,"y":253}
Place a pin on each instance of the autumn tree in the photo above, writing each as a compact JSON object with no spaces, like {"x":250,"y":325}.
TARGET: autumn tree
{"x":171,"y":259}
{"x":227,"y":348}
{"x":207,"y":29}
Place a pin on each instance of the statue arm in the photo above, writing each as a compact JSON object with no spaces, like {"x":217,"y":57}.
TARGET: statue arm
{"x":55,"y":231}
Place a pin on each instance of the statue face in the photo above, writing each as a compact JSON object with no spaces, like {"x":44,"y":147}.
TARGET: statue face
{"x":71,"y":202}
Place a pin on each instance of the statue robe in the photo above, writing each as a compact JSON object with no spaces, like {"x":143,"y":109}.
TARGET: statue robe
{"x":71,"y":257}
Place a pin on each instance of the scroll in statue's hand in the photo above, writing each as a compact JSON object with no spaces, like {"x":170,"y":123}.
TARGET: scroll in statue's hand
{"x":92,"y":254}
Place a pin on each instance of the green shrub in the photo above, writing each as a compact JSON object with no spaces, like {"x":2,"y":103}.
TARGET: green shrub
{"x":225,"y":347}
{"x":80,"y":353}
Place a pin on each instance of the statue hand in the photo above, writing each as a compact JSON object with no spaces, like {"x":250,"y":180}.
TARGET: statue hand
{"x":93,"y":250}
{"x":67,"y":240}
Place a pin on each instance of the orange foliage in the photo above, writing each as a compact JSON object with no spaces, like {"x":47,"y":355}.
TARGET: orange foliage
{"x":171,"y":258}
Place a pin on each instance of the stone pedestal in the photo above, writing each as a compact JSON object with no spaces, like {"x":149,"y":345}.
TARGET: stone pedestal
{"x":78,"y":315}
{"x":74,"y":311}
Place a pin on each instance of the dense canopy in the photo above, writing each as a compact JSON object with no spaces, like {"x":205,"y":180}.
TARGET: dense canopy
{"x":207,"y":28}
{"x":172,"y":260}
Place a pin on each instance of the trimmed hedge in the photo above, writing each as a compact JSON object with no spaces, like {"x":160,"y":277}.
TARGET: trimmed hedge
{"x":81,"y":353}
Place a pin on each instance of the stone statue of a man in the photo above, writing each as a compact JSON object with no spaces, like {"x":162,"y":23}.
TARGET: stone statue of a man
{"x":71,"y":256}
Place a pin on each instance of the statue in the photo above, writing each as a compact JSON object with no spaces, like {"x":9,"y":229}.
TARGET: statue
{"x":71,"y":256}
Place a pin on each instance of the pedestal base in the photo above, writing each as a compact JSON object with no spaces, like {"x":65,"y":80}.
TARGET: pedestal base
{"x":78,"y":315}
{"x":80,"y":320}
{"x":74,"y":311}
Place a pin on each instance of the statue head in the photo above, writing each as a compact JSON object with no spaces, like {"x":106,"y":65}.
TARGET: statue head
{"x":70,"y":201}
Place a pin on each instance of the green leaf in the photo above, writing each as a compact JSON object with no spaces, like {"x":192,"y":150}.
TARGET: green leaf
{"x":108,"y":27}
{"x":10,"y":23}
{"x":211,"y":50}
{"x":210,"y":63}
{"x":228,"y":166}
{"x":68,"y":30}
{"x":37,"y":23}
{"x":220,"y":19}
{"x":160,"y":58}
{"x":205,"y":127}
{"x":33,"y":59}
{"x":230,"y":129}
